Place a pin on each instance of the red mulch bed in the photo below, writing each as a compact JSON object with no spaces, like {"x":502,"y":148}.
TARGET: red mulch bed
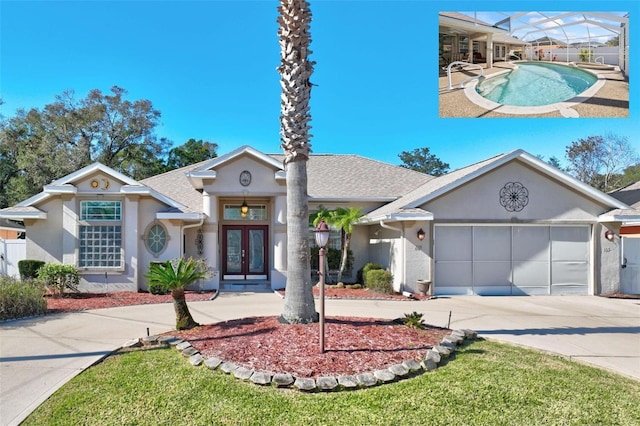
{"x":333,"y":292}
{"x":621,"y":296}
{"x":352,"y":345}
{"x":84,"y":301}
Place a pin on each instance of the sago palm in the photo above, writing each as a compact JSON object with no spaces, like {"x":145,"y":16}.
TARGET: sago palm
{"x":295,"y":70}
{"x":175,"y":275}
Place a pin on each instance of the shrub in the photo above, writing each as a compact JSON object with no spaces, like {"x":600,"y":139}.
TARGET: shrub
{"x":585,"y":55}
{"x":413,"y":320}
{"x":20,"y":299}
{"x":334,"y":256}
{"x":366,"y":268}
{"x":59,"y":278}
{"x":28,"y":268}
{"x":379,"y":280}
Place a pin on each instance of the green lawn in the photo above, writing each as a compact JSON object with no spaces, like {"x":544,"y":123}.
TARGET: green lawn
{"x":486,"y":384}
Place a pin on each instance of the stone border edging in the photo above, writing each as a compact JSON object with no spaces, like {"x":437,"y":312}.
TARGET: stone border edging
{"x":408,"y":368}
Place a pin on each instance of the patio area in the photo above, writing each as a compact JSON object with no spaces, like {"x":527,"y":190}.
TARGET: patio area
{"x":610,"y":101}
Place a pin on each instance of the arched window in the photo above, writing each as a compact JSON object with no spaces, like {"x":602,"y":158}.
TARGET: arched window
{"x":156,"y":238}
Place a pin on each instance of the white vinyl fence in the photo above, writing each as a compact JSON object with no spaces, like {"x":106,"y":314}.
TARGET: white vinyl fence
{"x":11,"y":252}
{"x":607,"y":55}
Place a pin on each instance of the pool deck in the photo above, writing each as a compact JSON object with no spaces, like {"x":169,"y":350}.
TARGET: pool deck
{"x":610,"y":101}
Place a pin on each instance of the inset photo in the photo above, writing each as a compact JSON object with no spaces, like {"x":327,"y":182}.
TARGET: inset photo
{"x":533,"y":64}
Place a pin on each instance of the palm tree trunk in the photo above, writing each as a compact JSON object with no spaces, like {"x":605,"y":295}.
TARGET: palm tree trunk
{"x":184,"y":320}
{"x":345,"y":256}
{"x":295,"y":70}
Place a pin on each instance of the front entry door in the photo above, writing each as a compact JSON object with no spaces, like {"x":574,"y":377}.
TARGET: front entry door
{"x":244,"y":252}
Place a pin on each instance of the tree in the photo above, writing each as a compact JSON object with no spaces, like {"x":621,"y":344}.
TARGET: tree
{"x":342,"y":219}
{"x":421,"y":160}
{"x":613,"y":41}
{"x":295,"y":71}
{"x":191,"y":152}
{"x":175,"y":275}
{"x":39,"y":146}
{"x":599,"y":160}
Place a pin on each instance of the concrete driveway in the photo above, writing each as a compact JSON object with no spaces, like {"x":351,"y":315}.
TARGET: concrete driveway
{"x":40,"y":354}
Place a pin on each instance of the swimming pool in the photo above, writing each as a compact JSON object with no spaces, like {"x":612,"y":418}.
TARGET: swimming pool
{"x":536,"y":84}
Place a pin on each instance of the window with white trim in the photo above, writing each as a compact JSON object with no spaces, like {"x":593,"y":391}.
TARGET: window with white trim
{"x":100,"y":234}
{"x":156,"y":239}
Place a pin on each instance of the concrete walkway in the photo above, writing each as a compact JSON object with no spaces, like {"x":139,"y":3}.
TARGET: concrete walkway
{"x":39,"y":355}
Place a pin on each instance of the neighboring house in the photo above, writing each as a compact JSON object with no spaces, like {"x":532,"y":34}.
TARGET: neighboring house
{"x":630,"y":240}
{"x":10,"y":230}
{"x":509,"y":225}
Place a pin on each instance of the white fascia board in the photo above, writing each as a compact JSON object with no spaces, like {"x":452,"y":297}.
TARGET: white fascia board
{"x":197,"y":177}
{"x":245,"y":149}
{"x":625,"y":218}
{"x":23,"y":215}
{"x":403,"y":217}
{"x":179,"y":216}
{"x":353,"y":200}
{"x":92,"y":168}
{"x":585,"y":189}
{"x":281,"y":175}
{"x":145,"y":190}
{"x":33,"y":200}
{"x":60,"y":189}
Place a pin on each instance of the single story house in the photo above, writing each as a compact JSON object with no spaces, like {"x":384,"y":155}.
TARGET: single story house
{"x":509,"y":225}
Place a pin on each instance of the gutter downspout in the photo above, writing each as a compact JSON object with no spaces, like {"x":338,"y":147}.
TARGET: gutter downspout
{"x":403,"y":251}
{"x":182,"y":228}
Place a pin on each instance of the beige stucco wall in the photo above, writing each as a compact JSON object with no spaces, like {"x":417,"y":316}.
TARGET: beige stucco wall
{"x":44,"y":237}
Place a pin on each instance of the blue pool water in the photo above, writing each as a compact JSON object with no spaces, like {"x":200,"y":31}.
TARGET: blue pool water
{"x":535,"y":84}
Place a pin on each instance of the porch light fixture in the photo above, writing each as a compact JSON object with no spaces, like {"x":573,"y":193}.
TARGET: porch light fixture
{"x":244,"y":208}
{"x":420,"y":234}
{"x":322,"y":238}
{"x":609,"y":235}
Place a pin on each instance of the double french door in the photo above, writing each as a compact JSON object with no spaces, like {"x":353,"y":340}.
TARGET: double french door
{"x":244,"y":252}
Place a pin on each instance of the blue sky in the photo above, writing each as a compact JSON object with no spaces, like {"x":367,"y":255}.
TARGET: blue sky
{"x":210,"y":68}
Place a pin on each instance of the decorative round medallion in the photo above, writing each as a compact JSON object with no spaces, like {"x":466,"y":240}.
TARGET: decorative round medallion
{"x":95,"y":184}
{"x":514,"y":196}
{"x":245,"y":178}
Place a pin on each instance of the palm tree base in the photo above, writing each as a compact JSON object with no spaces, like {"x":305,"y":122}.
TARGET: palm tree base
{"x":286,"y":320}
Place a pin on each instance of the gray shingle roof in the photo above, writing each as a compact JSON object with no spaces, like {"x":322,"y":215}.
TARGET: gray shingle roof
{"x":629,"y":195}
{"x":350,"y":177}
{"x":330,"y":177}
{"x":175,"y":185}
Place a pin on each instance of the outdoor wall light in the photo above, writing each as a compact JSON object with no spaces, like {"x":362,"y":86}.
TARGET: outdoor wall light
{"x":420,"y":234}
{"x":244,"y":208}
{"x":609,"y":235}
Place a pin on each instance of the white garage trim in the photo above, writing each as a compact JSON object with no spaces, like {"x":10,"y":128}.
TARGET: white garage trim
{"x":512,"y":259}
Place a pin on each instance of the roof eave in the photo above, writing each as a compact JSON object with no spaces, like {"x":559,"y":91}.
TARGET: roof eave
{"x":180,"y":216}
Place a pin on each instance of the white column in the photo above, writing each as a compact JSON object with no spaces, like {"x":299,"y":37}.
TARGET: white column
{"x":279,"y":272}
{"x":130,"y":239}
{"x":490,"y":50}
{"x":69,"y":231}
{"x":211,"y":249}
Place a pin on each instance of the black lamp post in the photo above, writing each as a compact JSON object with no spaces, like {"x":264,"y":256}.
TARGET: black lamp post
{"x":322,"y":238}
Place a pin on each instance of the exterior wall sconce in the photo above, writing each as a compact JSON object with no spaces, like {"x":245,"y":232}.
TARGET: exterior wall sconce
{"x":420,"y":234}
{"x":609,"y":235}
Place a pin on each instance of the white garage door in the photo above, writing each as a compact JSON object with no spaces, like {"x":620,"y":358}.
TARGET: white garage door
{"x":511,"y":260}
{"x":630,"y":274}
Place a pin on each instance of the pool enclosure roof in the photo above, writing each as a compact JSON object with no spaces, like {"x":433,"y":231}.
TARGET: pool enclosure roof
{"x":559,"y":28}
